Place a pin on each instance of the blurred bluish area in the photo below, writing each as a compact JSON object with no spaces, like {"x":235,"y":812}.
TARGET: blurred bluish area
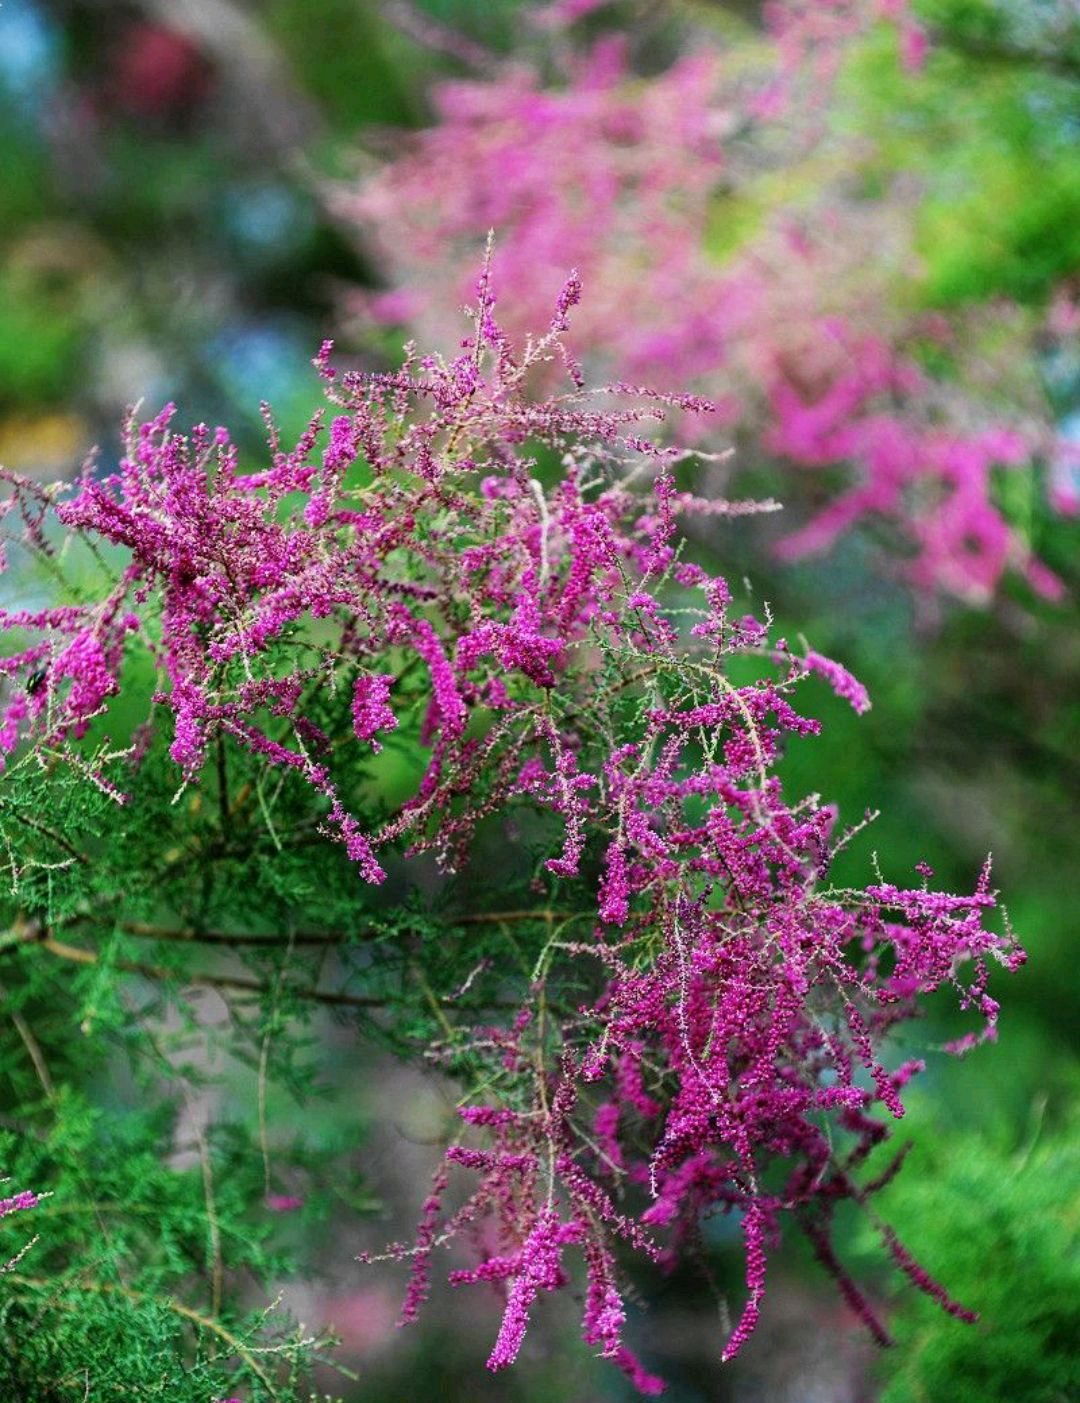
{"x":30,"y":59}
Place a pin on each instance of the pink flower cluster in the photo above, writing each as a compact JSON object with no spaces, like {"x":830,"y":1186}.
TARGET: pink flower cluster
{"x":68,"y":656}
{"x":794,"y":320}
{"x":706,"y":1029}
{"x":17,"y":1203}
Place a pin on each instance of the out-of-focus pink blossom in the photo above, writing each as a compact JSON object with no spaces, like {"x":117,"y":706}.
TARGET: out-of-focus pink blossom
{"x":792,"y":324}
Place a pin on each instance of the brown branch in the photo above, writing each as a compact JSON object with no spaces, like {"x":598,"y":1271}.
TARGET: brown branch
{"x":237,"y":982}
{"x":147,"y":931}
{"x":222,"y":785}
{"x":212,"y":981}
{"x":46,"y":831}
{"x":189,"y":935}
{"x":33,"y":1048}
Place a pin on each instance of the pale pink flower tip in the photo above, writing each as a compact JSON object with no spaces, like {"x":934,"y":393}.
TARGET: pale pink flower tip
{"x":283,"y":1203}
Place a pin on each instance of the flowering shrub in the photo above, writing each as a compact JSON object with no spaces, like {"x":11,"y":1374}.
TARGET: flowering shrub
{"x":493,"y":586}
{"x":683,"y":198}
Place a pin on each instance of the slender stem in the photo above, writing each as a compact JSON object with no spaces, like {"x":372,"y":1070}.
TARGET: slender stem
{"x":213,"y":981}
{"x":38,"y":827}
{"x":33,"y":1049}
{"x":223,"y":786}
{"x":150,"y":931}
{"x":237,"y":982}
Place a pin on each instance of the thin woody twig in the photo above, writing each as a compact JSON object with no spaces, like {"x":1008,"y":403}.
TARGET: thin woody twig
{"x":150,"y":931}
{"x":237,"y":982}
{"x":213,"y":981}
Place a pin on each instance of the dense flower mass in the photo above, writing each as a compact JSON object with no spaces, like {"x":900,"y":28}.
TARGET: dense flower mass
{"x":795,"y":317}
{"x":502,"y":575}
{"x":18,"y":1203}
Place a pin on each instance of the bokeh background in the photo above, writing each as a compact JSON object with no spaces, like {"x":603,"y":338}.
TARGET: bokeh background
{"x":177,"y":223}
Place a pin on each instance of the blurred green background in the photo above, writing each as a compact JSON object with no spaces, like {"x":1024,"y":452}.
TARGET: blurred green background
{"x":163,"y":235}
